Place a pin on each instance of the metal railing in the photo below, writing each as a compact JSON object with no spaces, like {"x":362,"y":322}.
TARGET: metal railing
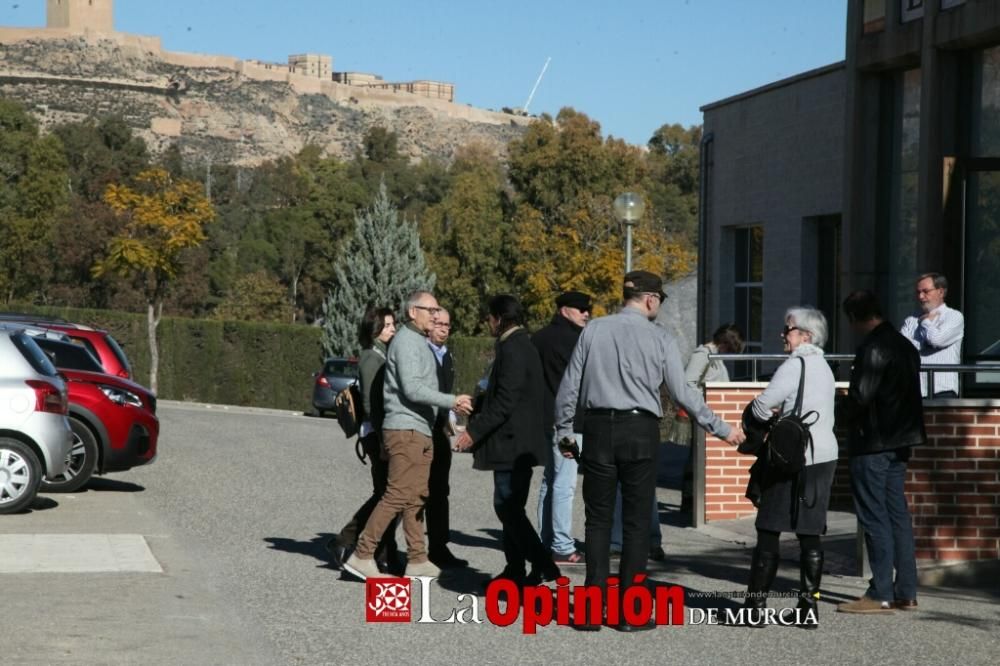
{"x":928,"y":370}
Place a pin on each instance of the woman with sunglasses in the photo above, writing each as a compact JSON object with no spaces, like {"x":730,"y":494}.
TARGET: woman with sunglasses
{"x":785,"y":505}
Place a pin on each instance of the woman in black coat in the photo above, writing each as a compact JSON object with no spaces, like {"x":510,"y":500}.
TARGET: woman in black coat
{"x":507,"y":436}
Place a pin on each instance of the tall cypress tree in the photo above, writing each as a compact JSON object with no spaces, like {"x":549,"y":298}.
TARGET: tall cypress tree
{"x":381,"y":265}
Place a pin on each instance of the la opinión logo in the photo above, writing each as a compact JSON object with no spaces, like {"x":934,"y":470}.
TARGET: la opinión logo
{"x":387,"y":600}
{"x":390,"y":600}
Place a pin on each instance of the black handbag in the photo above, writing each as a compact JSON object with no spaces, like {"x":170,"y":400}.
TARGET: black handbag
{"x":789,"y":438}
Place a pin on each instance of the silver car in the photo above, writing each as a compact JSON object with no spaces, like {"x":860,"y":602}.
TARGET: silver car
{"x":35,"y":435}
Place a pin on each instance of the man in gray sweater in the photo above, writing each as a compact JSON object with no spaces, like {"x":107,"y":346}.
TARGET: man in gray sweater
{"x":411,"y":403}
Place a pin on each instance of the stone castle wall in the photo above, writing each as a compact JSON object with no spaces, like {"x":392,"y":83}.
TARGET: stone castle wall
{"x":233,"y":110}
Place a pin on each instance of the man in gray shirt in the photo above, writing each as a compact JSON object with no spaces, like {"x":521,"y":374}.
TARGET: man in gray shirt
{"x":411,"y":403}
{"x":612,"y":389}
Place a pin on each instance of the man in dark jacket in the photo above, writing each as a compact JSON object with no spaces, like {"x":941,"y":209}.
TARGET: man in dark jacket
{"x":884,"y":412}
{"x":508,"y":438}
{"x":555,"y":345}
{"x":438,"y":524}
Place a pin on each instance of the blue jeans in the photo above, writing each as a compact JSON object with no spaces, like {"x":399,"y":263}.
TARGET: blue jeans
{"x":877,"y":483}
{"x":655,"y":538}
{"x":555,"y":508}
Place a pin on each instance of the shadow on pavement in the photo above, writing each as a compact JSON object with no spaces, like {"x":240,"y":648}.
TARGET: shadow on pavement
{"x":40,"y":503}
{"x":494,"y":541}
{"x":113,"y":486}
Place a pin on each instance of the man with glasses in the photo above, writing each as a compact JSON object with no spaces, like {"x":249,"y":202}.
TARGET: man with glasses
{"x":936,"y":331}
{"x":438,"y":525}
{"x":612,"y":388}
{"x":412,"y":399}
{"x":555,"y":345}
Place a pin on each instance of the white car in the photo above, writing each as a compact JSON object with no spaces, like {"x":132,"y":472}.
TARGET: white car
{"x":35,"y":435}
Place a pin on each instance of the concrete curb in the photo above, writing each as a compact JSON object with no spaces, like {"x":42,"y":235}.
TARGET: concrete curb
{"x":227,"y":409}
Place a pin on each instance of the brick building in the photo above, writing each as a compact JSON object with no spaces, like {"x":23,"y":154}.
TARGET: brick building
{"x":864,"y":174}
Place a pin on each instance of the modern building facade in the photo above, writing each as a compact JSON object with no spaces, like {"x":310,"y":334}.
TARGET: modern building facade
{"x":863,"y":174}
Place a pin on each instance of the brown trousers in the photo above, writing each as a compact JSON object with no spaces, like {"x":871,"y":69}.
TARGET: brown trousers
{"x":410,"y":455}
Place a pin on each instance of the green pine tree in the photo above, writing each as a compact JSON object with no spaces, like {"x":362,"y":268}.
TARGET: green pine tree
{"x":380,"y":265}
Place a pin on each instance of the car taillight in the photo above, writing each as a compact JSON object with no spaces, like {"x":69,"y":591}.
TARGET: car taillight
{"x":321,"y":381}
{"x":48,"y":398}
{"x":124,"y":374}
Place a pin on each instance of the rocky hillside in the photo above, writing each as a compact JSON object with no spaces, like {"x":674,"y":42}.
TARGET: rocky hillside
{"x":214,"y":112}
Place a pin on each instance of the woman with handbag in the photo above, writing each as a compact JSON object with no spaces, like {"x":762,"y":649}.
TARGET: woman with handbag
{"x":375,"y":333}
{"x":802,"y":390}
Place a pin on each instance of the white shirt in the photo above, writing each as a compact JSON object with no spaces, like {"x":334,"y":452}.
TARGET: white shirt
{"x":939,"y":342}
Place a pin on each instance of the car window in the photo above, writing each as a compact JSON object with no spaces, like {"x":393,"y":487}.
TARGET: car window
{"x":89,"y":345}
{"x":119,"y":353}
{"x":341,"y":368}
{"x":34,"y":355}
{"x":69,"y":356}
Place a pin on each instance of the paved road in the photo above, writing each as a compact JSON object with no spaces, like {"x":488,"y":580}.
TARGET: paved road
{"x":235,"y":511}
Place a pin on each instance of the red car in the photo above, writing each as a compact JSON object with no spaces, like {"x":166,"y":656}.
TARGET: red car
{"x":113,"y":419}
{"x":101,"y":344}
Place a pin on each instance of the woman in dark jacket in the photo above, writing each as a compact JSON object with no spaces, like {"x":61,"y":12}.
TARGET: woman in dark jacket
{"x":507,"y":436}
{"x":377,"y":329}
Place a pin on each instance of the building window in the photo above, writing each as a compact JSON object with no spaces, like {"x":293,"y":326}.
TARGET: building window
{"x":911,"y":10}
{"x":899,"y":174}
{"x":874,"y":16}
{"x":982,"y":211}
{"x":749,"y":284}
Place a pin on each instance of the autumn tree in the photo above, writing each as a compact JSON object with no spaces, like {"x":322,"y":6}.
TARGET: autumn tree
{"x":161,"y":218}
{"x":566,"y":176}
{"x":467,"y":238}
{"x":380,"y":265}
{"x":672,"y":179}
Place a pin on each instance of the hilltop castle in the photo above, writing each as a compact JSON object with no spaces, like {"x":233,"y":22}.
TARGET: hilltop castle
{"x":94,"y":19}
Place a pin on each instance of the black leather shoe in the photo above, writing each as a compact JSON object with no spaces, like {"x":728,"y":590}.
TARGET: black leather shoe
{"x":544,"y":575}
{"x":335,"y":551}
{"x":518,"y":578}
{"x":632,"y":628}
{"x":656,"y":554}
{"x":446,"y":560}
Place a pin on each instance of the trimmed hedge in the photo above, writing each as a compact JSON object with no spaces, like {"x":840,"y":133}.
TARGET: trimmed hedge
{"x":239,"y":363}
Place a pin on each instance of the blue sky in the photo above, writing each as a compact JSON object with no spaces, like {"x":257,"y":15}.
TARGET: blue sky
{"x":632,"y":65}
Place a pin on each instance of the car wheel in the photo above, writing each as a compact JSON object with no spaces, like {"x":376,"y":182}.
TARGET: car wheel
{"x":80,"y":462}
{"x":20,"y":474}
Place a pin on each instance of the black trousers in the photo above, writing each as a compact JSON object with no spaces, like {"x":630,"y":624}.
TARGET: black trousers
{"x":436,"y":511}
{"x":521,"y":542}
{"x":380,"y":479}
{"x":619,"y":448}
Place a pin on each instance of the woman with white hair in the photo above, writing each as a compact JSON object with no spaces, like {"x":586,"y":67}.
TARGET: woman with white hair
{"x":795,"y":503}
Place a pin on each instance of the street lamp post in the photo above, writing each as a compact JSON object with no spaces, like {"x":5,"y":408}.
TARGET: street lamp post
{"x":629,"y":208}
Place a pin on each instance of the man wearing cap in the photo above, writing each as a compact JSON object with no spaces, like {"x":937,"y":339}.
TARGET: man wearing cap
{"x":555,"y":345}
{"x":612,"y":388}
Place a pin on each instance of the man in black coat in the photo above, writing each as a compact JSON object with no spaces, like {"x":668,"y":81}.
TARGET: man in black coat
{"x":436,"y":511}
{"x":884,"y":411}
{"x":555,"y":345}
{"x":508,"y":438}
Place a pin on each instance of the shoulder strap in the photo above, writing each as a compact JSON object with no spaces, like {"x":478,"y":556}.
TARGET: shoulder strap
{"x":802,"y":382}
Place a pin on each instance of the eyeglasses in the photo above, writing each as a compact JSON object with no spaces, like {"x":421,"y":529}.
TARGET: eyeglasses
{"x":660,"y":297}
{"x":431,"y":310}
{"x":927,"y":291}
{"x":788,"y":329}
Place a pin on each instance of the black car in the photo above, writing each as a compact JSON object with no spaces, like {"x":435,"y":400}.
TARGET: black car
{"x":337,"y":374}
